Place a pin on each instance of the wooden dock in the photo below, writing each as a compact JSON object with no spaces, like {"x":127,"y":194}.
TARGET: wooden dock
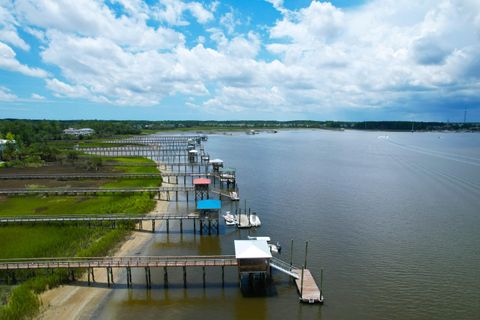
{"x":159,"y":191}
{"x":107,"y":220}
{"x":128,"y":263}
{"x":307,"y":287}
{"x":119,"y":262}
{"x":80,"y":176}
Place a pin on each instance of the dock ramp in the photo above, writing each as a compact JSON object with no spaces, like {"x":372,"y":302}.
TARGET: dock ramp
{"x":284,"y":267}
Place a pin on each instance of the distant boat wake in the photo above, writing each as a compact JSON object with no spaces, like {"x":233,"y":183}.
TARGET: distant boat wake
{"x":438,"y":154}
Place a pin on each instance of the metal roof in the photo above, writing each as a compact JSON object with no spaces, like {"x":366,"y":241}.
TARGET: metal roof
{"x":252,"y":249}
{"x":227,"y":169}
{"x":209,"y":204}
{"x":202,"y":181}
{"x":216,"y":161}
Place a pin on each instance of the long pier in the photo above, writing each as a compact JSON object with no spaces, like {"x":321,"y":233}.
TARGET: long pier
{"x":97,"y":191}
{"x":111,"y":219}
{"x":128,"y":263}
{"x":79,"y":176}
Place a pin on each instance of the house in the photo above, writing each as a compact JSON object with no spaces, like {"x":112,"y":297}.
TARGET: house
{"x":79,"y":132}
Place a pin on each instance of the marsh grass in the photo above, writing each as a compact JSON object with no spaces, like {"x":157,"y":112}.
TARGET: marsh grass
{"x":30,"y":241}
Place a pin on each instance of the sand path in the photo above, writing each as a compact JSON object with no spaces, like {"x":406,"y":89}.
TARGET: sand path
{"x":80,"y":302}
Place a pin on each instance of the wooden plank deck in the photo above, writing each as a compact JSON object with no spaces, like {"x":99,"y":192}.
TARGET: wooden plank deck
{"x":94,"y":217}
{"x":119,"y":262}
{"x":94,"y":191}
{"x":78,"y":176}
{"x":310,"y":292}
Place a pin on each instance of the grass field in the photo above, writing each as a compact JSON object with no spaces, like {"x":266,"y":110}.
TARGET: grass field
{"x":53,"y":241}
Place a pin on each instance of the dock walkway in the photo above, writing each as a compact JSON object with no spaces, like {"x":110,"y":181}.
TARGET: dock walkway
{"x":119,"y":262}
{"x":309,"y":293}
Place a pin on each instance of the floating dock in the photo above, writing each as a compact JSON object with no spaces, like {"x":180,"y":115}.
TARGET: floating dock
{"x":307,"y":287}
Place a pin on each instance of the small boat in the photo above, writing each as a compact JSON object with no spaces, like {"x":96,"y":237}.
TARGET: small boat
{"x":255,"y":220}
{"x":274,"y":247}
{"x":230,"y":219}
{"x":234,"y":196}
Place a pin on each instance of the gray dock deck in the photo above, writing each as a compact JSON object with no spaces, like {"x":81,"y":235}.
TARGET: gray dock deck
{"x":310,"y":292}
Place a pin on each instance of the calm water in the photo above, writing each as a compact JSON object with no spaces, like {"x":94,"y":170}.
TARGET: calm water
{"x":395,"y":224}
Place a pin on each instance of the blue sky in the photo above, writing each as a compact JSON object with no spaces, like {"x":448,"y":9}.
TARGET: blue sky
{"x":255,"y":59}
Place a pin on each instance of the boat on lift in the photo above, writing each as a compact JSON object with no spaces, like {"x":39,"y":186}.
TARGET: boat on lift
{"x":274,"y":247}
{"x":234,"y":196}
{"x":255,"y":220}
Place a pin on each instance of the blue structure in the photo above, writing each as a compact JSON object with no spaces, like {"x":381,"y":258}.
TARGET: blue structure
{"x":209,"y":205}
{"x":209,"y":212}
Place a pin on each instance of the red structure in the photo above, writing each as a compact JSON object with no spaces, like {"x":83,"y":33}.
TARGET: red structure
{"x":201,"y":188}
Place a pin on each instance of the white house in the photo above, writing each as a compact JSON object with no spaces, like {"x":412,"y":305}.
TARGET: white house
{"x":79,"y":132}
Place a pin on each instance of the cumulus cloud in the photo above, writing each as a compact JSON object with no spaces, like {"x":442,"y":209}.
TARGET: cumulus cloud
{"x":312,"y":59}
{"x":9,"y":62}
{"x":37,"y":96}
{"x":8,"y":29}
{"x":6,"y":95}
{"x":172,"y":12}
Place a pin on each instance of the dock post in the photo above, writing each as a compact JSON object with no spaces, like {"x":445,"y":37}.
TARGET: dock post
{"x":148,"y":278}
{"x":301,"y":284}
{"x":291,"y":252}
{"x":165,"y":277}
{"x":88,"y":274}
{"x":306,"y":251}
{"x":176,"y":196}
{"x":201,"y":227}
{"x":168,"y":225}
{"x":93,"y":275}
{"x":321,"y":283}
{"x":181,"y":225}
{"x":184,"y":277}
{"x":223,"y":276}
{"x":153,"y":225}
{"x":203,"y":276}
{"x":209,"y":227}
{"x":187,"y":195}
{"x":129,"y":277}
{"x":72,"y":274}
{"x":108,"y":277}
{"x":194,"y":226}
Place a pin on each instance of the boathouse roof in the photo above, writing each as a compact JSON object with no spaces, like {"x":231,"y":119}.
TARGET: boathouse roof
{"x":252,"y":249}
{"x":227,"y":169}
{"x":216,"y":161}
{"x":201,"y":181}
{"x":193,"y":151}
{"x":209,"y":204}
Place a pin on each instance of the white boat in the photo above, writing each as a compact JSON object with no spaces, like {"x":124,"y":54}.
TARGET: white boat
{"x":234,"y":196}
{"x":230,"y":219}
{"x":255,"y":220}
{"x":274,"y":247}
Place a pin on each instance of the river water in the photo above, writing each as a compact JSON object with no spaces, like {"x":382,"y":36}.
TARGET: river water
{"x":392,"y":218}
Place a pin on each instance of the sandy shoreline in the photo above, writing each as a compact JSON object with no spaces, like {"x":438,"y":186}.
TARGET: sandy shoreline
{"x":80,"y":302}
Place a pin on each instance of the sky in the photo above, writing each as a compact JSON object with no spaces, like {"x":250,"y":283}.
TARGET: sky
{"x":349,"y":60}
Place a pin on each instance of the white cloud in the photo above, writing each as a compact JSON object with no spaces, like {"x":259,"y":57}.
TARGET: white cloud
{"x":8,"y":28}
{"x":320,"y":57}
{"x":172,"y":12}
{"x":8,"y":61}
{"x":6,"y":95}
{"x":95,"y":19}
{"x":36,"y":96}
{"x":229,"y":22}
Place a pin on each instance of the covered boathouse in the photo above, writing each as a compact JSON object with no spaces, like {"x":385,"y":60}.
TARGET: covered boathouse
{"x":201,"y":186}
{"x":209,"y":211}
{"x":253,"y":257}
